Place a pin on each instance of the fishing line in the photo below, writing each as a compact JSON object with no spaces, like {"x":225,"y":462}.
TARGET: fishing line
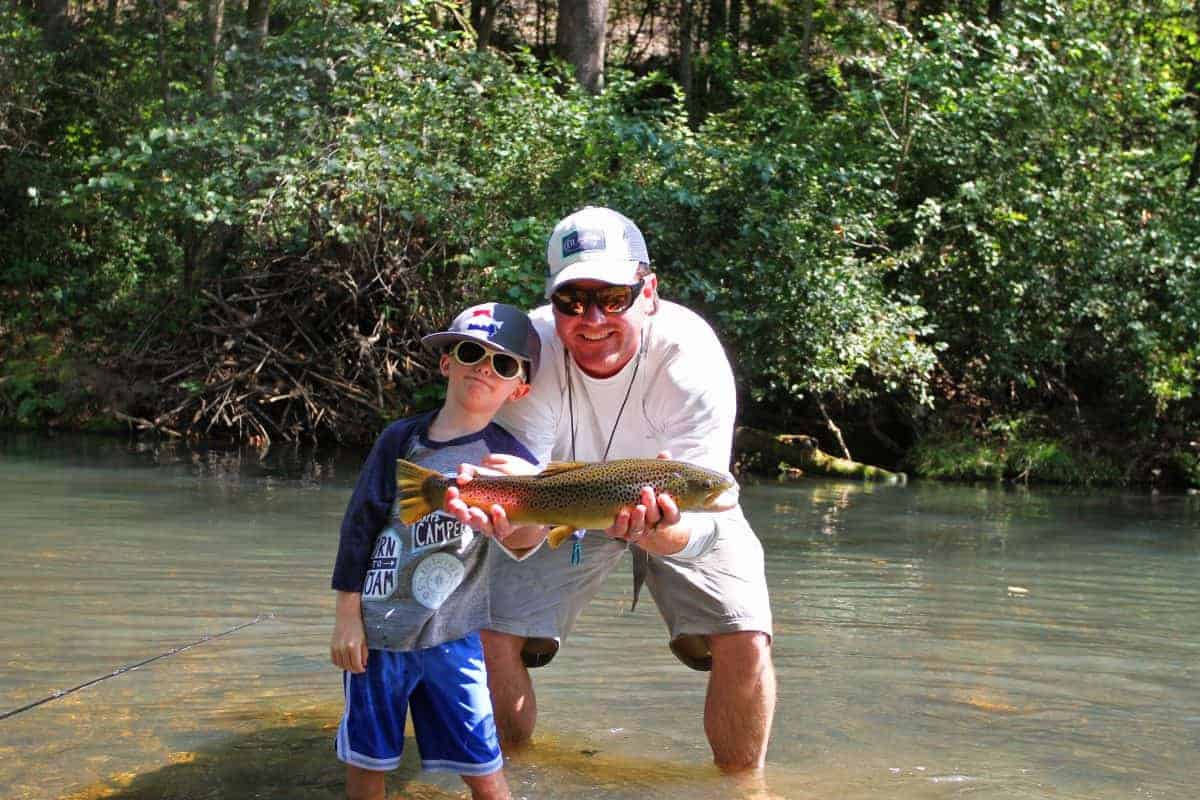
{"x":129,"y":667}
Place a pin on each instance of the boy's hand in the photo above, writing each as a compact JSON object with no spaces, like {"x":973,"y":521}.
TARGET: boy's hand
{"x":496,"y":525}
{"x":496,"y":464}
{"x":348,"y":645}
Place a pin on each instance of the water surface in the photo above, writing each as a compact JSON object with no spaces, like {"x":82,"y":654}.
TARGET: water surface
{"x":932,"y":641}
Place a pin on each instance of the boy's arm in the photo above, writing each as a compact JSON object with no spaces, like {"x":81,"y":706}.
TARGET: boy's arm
{"x":348,"y":646}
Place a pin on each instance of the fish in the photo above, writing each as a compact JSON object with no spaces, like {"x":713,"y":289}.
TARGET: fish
{"x":571,"y":495}
{"x":567,"y":495}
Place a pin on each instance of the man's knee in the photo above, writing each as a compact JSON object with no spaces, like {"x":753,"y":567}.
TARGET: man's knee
{"x":501,"y":651}
{"x":741,"y":648}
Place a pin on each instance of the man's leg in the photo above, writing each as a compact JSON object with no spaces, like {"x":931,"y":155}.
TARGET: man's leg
{"x":513,"y":703}
{"x":741,"y":699}
{"x":488,"y":787}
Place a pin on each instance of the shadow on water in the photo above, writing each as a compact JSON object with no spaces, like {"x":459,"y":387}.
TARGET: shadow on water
{"x":290,"y":755}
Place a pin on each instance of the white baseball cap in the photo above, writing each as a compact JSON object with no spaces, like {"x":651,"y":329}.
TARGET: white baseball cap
{"x":594,"y":243}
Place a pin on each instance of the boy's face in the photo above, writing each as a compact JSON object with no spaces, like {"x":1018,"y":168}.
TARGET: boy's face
{"x":476,"y":387}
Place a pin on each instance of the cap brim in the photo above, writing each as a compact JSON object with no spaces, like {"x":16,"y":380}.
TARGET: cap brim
{"x":606,"y":270}
{"x":443,"y":339}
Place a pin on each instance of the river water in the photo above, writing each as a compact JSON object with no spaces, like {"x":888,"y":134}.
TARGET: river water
{"x":932,"y":641}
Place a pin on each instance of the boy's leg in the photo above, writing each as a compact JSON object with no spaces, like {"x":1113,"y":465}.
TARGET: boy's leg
{"x":488,"y":787}
{"x":363,"y":784}
{"x":452,"y":712}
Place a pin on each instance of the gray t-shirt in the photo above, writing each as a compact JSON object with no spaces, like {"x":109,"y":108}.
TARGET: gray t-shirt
{"x":425,"y":583}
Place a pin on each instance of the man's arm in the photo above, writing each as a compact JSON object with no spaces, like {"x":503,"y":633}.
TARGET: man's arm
{"x":694,"y":401}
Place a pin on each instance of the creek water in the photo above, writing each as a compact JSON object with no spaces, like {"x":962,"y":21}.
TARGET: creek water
{"x":931,"y":641}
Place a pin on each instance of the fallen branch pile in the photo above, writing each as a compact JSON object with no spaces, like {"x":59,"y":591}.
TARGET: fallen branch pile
{"x":302,"y":349}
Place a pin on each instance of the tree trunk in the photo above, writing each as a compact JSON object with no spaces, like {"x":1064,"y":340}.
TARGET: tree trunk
{"x":995,"y":11}
{"x":216,"y":28}
{"x":54,"y":22}
{"x":802,"y":452}
{"x":1193,"y":90}
{"x":486,"y":23}
{"x":686,"y":76}
{"x":735,"y":24}
{"x":258,"y":18}
{"x":580,"y":35}
{"x":806,"y":11}
{"x":718,"y":21}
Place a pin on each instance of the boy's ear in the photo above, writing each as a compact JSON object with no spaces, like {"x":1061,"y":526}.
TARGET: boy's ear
{"x":519,"y":391}
{"x":444,"y":365}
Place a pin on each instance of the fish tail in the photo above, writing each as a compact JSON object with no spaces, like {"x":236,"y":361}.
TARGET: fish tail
{"x":411,"y":495}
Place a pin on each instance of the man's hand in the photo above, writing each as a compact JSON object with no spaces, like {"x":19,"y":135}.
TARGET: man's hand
{"x":652,"y":513}
{"x":348,"y":645}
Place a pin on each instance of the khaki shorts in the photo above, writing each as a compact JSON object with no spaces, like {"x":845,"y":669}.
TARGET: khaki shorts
{"x":724,"y":591}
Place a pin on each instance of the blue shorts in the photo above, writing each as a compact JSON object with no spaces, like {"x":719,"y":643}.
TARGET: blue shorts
{"x":446,"y":687}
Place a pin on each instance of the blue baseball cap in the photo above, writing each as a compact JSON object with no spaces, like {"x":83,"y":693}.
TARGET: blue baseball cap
{"x":499,"y":326}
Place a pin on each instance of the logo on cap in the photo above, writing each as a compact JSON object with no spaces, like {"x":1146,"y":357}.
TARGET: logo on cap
{"x":489,"y":328}
{"x":578,"y":241}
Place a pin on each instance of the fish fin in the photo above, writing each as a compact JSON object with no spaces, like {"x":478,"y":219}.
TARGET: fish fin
{"x":555,"y":467}
{"x":558,"y":533}
{"x":641,"y":565}
{"x":410,"y":480}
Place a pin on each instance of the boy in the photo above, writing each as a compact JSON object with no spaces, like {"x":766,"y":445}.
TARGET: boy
{"x":411,"y":600}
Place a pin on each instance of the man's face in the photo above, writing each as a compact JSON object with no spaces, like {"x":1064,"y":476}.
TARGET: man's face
{"x":601,"y":343}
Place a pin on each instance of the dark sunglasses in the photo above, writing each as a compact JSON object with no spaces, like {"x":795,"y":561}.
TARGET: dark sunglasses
{"x":573,"y":301}
{"x":471,"y":353}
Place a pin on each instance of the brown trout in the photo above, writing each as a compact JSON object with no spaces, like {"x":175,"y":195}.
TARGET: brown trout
{"x":568,"y":496}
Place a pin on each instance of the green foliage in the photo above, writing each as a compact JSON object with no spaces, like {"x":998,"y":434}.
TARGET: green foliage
{"x":31,"y":384}
{"x":1021,"y":449}
{"x":1001,"y":205}
{"x":24,"y":70}
{"x":1036,"y":166}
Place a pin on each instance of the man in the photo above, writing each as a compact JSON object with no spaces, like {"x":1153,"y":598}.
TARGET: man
{"x":627,"y":375}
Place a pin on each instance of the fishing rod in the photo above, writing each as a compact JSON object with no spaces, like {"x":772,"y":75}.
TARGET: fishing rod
{"x":128,"y":667}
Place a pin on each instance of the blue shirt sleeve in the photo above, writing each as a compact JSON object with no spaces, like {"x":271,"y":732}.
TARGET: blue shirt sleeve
{"x":370,"y":507}
{"x":499,"y":440}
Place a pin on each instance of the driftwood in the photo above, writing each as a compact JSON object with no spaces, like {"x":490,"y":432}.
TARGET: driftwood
{"x":801,"y":452}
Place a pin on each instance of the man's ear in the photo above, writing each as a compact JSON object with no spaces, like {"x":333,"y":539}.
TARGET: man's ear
{"x":519,"y":391}
{"x":650,"y":291}
{"x":444,"y":365}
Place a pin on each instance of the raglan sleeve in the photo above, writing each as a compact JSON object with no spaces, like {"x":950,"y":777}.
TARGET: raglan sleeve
{"x":695,"y":406}
{"x":369,"y":509}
